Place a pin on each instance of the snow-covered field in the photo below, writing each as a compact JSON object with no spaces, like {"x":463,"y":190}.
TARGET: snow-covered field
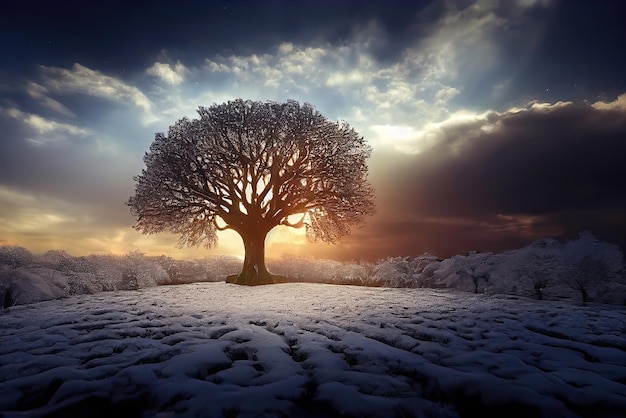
{"x":213,"y":349}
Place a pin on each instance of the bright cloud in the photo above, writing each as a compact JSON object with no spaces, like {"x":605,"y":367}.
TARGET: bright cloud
{"x":382,"y":93}
{"x":339,"y":79}
{"x":83,"y":80}
{"x":401,"y":138}
{"x":446,"y":94}
{"x":170,"y":74}
{"x":416,"y":90}
{"x":46,"y":130}
{"x":617,"y":104}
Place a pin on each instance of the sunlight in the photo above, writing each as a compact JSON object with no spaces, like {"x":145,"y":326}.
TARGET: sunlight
{"x":405,"y":139}
{"x":251,"y":188}
{"x":286,"y":240}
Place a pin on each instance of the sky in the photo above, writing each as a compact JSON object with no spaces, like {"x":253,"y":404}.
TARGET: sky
{"x":493,"y":123}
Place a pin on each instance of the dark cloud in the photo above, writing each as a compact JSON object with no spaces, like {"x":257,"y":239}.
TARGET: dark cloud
{"x":533,"y":162}
{"x":444,"y":237}
{"x":517,"y":175}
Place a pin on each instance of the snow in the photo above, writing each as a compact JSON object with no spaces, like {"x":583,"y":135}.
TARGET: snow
{"x":37,"y":284}
{"x":583,"y":269}
{"x":298,"y":349}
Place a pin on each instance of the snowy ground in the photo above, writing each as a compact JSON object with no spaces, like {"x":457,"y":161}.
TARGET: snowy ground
{"x":213,"y":349}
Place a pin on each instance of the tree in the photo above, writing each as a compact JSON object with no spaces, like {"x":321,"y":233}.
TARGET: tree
{"x":584,"y":274}
{"x":251,"y":166}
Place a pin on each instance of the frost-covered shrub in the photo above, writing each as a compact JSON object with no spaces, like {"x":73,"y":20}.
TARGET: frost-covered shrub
{"x":219,"y":267}
{"x":96,"y":273}
{"x":138,"y":271}
{"x":64,"y":262}
{"x":36,"y":284}
{"x":15,"y":257}
{"x":188,"y":271}
{"x":80,"y":271}
{"x":295,"y":269}
{"x":453,"y":273}
{"x":581,"y":269}
{"x":536,"y":272}
{"x":391,"y":272}
{"x":594,"y":268}
{"x":12,"y":259}
{"x":321,"y":271}
{"x":405,"y":272}
{"x":356,"y":273}
{"x":108,"y":272}
{"x":208,"y":269}
{"x":328,"y":271}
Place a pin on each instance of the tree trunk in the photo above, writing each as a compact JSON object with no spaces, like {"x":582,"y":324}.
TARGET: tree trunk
{"x":585,"y":295}
{"x":254,"y":271}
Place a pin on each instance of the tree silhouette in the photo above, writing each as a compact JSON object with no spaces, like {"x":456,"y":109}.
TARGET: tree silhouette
{"x":251,"y":166}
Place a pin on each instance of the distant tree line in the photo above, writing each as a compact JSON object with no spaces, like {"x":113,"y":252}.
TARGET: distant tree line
{"x":26,"y":277}
{"x":581,"y":270}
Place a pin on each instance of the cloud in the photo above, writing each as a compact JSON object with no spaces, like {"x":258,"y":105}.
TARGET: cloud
{"x":82,"y":80}
{"x":339,"y":79}
{"x":446,"y":94}
{"x":35,"y":215}
{"x":547,"y":167}
{"x":462,"y":41}
{"x":403,"y":138}
{"x":543,"y":158}
{"x":358,"y":78}
{"x":43,"y":130}
{"x":89,"y":180}
{"x":344,"y":81}
{"x":618,"y":104}
{"x":167,"y":73}
{"x":39,"y":93}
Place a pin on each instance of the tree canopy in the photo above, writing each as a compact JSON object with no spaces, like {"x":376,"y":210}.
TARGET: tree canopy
{"x":250,"y":166}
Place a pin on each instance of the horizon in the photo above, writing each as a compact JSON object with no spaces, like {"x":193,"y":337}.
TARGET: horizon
{"x":309,"y":257}
{"x":493,"y":124}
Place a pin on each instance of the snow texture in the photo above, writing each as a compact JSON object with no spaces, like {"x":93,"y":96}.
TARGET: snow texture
{"x":297,"y":349}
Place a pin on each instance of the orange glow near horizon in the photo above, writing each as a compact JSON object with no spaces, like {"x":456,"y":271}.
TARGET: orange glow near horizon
{"x":280,"y":241}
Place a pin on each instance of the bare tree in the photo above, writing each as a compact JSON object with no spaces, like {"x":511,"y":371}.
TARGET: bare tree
{"x":251,"y":166}
{"x":584,"y":274}
{"x":539,"y":271}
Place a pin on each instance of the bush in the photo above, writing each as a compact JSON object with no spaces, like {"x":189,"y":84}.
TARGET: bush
{"x":14,"y":257}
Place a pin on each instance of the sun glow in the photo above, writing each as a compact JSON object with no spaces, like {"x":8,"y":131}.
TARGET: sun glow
{"x":286,"y":240}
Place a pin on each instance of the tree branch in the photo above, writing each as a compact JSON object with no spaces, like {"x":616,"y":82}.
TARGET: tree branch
{"x":298,"y":224}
